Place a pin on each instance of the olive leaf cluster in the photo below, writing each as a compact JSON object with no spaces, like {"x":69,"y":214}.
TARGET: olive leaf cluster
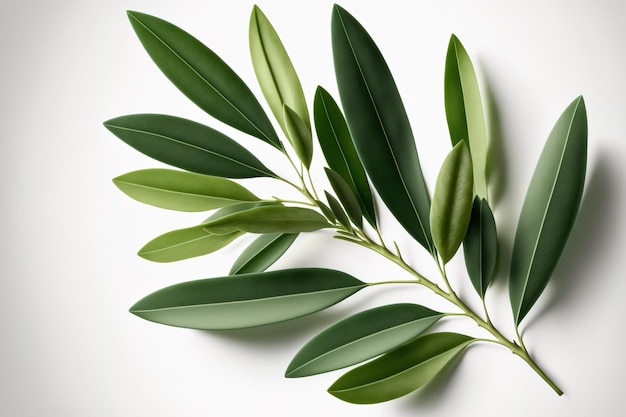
{"x":366,"y":141}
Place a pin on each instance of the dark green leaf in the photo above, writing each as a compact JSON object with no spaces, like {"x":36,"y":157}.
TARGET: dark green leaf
{"x":262,"y":253}
{"x":400,"y":371}
{"x":248,"y":301}
{"x":202,"y":76}
{"x":550,"y":208}
{"x":326,"y":211}
{"x":379,"y":125}
{"x":480,"y":246}
{"x":187,"y":145}
{"x":339,"y":151}
{"x":361,"y":337}
{"x":337,"y":210}
{"x":183,"y":191}
{"x":346,"y":196}
{"x":452,"y":201}
{"x":299,"y":136}
{"x":464,"y":110}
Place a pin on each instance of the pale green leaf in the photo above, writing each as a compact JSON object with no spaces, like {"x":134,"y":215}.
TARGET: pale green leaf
{"x":299,"y":135}
{"x":262,"y":253}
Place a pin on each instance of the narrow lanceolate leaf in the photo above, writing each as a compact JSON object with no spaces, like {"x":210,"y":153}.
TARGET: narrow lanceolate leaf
{"x":464,"y":110}
{"x":326,"y":211}
{"x":184,"y":244}
{"x":361,"y":337}
{"x":183,"y":191}
{"x":339,"y":151}
{"x":274,"y":71}
{"x":452,"y":202}
{"x":379,"y":125}
{"x":550,"y":208}
{"x":187,"y":145}
{"x":202,"y":76}
{"x":299,"y":135}
{"x":268,"y":219}
{"x":480,"y":246}
{"x":262,"y":253}
{"x":400,"y":371}
{"x":337,"y":210}
{"x":346,"y":196}
{"x":248,"y":301}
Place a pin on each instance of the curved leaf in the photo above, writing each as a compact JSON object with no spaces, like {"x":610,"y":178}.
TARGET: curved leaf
{"x":184,"y":244}
{"x":379,"y":125}
{"x":299,"y":136}
{"x":250,"y":300}
{"x":268,"y":219}
{"x":361,"y":337}
{"x":346,"y":196}
{"x":464,"y":110}
{"x":337,"y":210}
{"x":183,"y":191}
{"x":400,"y":371}
{"x":187,"y":145}
{"x":203,"y":77}
{"x":262,"y":253}
{"x":274,"y":70}
{"x":550,"y":208}
{"x":452,"y":202}
{"x":480,"y":246}
{"x":326,"y":211}
{"x":339,"y":151}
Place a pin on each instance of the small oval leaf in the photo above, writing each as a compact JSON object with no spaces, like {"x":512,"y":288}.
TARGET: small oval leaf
{"x":550,"y":208}
{"x":346,"y":196}
{"x":361,"y":337}
{"x":480,"y":246}
{"x":248,"y":301}
{"x":187,"y":145}
{"x":262,"y":253}
{"x":452,"y":202}
{"x":299,"y":136}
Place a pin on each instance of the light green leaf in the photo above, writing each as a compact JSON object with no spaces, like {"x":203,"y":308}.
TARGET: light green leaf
{"x":339,"y":151}
{"x":262,"y":253}
{"x":268,"y":219}
{"x":187,"y":145}
{"x":379,"y":125}
{"x":183,"y":191}
{"x":550,"y":208}
{"x":452,"y":202}
{"x":203,"y":77}
{"x":274,"y":70}
{"x":464,"y":110}
{"x":337,"y":210}
{"x":361,"y":337}
{"x":400,"y":371}
{"x":346,"y":196}
{"x":248,"y":301}
{"x":299,"y":136}
{"x":480,"y":246}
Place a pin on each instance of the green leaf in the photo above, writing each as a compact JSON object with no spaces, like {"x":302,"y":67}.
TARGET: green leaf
{"x":248,"y":301}
{"x":187,"y":145}
{"x":337,"y":210}
{"x":550,"y":208}
{"x":480,"y":246}
{"x":262,"y":253}
{"x":299,"y":136}
{"x":274,"y":70}
{"x":268,"y":219}
{"x":464,"y":110}
{"x":203,"y":77}
{"x":183,"y":191}
{"x":400,"y":371}
{"x":346,"y":196}
{"x":184,"y":244}
{"x":361,"y":337}
{"x":379,"y":125}
{"x":339,"y":151}
{"x":326,"y":211}
{"x":452,"y":201}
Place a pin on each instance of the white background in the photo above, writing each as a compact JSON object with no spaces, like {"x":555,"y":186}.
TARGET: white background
{"x":68,"y":346}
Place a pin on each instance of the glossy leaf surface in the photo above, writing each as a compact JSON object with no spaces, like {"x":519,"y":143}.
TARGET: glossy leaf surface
{"x":346,"y":196}
{"x":299,"y":135}
{"x":480,"y":246}
{"x":379,"y":125}
{"x":262,"y":253}
{"x":202,"y":76}
{"x":464,"y":110}
{"x":183,"y":191}
{"x":339,"y":151}
{"x":550,"y":208}
{"x":400,"y":371}
{"x":247,"y":301}
{"x":187,"y":145}
{"x":452,"y":201}
{"x":361,"y":337}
